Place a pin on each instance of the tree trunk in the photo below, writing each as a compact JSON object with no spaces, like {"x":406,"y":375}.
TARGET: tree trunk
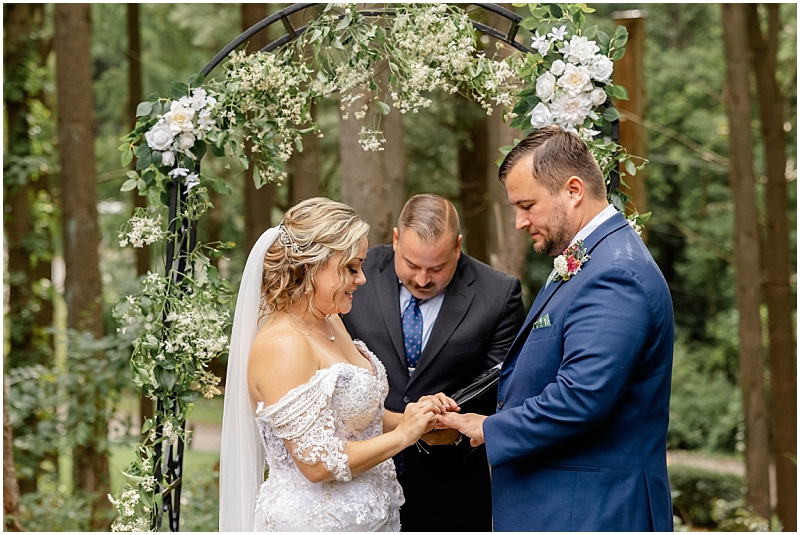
{"x":373,"y":182}
{"x":304,"y":168}
{"x":10,"y":488}
{"x":748,"y":297}
{"x":81,"y":234}
{"x":629,"y":73}
{"x":473,"y":165}
{"x":258,"y":203}
{"x":30,"y":313}
{"x":777,"y":287}
{"x":139,"y":201}
{"x":507,"y":246}
{"x":395,"y":164}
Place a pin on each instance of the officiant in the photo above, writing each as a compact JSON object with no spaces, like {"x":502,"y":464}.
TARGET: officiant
{"x":436,"y":318}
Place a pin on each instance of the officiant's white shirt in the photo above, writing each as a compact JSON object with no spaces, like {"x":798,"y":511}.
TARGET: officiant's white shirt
{"x":429,"y":308}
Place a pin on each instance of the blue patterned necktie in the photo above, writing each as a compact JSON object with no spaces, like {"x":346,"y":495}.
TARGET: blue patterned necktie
{"x":412,"y":333}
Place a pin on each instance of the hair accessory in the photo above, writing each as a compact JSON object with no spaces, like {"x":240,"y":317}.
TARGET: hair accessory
{"x":286,"y":240}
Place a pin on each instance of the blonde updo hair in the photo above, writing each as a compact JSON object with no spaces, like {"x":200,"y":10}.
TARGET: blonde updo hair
{"x":316,"y":229}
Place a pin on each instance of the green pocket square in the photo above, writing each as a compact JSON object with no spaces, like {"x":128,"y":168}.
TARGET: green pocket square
{"x":543,"y":321}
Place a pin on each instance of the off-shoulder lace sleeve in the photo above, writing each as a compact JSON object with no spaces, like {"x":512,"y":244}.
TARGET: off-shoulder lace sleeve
{"x":304,"y":417}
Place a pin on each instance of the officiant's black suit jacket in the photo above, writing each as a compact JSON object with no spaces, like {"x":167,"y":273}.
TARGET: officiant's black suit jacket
{"x":480,"y":316}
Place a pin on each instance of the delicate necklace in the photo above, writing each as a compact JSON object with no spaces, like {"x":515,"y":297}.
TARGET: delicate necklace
{"x":330,"y":335}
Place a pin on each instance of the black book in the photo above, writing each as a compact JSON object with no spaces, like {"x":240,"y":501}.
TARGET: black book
{"x":483,"y":385}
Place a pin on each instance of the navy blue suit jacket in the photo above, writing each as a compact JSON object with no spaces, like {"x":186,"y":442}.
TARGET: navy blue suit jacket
{"x":578,"y":442}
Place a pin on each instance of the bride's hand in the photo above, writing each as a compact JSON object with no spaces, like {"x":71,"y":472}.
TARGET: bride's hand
{"x":443,"y":402}
{"x":419,"y":418}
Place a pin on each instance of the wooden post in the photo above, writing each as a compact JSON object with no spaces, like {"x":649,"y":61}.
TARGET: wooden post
{"x":629,"y":73}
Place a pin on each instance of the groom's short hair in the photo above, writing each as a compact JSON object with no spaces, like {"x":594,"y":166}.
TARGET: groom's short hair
{"x":557,"y":155}
{"x":431,"y":217}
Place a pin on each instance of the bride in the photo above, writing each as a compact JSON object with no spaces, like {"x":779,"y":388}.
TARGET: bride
{"x":303,"y":396}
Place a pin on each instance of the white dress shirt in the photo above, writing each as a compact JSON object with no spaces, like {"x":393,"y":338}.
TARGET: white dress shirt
{"x":596,"y":221}
{"x":429,"y":308}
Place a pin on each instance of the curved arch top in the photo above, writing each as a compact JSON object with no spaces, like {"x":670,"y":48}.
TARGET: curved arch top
{"x":293,"y":33}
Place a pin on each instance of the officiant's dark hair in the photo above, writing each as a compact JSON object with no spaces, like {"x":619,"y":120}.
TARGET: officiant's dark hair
{"x":431,"y":217}
{"x":557,"y":155}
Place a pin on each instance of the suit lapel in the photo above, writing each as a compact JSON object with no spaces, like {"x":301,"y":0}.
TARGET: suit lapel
{"x":611,"y":225}
{"x":388,"y":295}
{"x":457,"y":300}
{"x":545,"y":294}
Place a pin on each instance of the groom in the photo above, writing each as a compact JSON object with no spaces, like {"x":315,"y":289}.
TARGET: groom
{"x":578,"y":442}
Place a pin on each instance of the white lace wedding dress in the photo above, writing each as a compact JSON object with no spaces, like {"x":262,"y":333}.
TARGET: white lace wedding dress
{"x":341,"y":403}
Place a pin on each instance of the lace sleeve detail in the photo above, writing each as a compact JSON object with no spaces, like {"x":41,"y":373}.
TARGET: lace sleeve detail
{"x":304,"y":417}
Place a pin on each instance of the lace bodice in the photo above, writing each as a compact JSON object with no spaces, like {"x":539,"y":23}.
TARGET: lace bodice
{"x":338,"y":404}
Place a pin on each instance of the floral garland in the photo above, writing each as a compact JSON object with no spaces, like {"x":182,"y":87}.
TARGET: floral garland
{"x":569,"y":82}
{"x":257,"y":114}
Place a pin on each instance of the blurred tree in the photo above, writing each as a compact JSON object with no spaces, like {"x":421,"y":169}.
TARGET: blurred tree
{"x":473,"y":165}
{"x":134,"y":97}
{"x":27,"y":233}
{"x":776,"y":284}
{"x":507,"y":246}
{"x":81,"y":237}
{"x":734,"y":25}
{"x":10,"y":488}
{"x":629,"y":72}
{"x":258,"y":203}
{"x":304,"y":167}
{"x":373,"y":182}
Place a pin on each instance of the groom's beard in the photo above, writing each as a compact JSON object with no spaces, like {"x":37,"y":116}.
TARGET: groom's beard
{"x":555,"y":233}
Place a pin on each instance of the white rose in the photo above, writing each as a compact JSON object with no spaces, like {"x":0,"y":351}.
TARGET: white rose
{"x":179,"y":118}
{"x":168,"y":158}
{"x":600,"y":68}
{"x":575,"y":80}
{"x":597,"y":96}
{"x":545,"y":85}
{"x":557,"y":67}
{"x":159,"y":137}
{"x":560,"y":263}
{"x":580,"y":50}
{"x":569,"y":110}
{"x":541,"y":116}
{"x":186,"y":141}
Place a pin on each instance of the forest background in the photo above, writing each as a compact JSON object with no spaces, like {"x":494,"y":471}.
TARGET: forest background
{"x":70,"y":404}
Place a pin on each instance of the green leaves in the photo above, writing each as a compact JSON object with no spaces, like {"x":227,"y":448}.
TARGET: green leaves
{"x":166,"y":378}
{"x":630,"y":168}
{"x":178,"y":90}
{"x":611,"y":114}
{"x":383,"y":107}
{"x":132,"y":182}
{"x":616,"y":91}
{"x":144,"y":109}
{"x":196,"y":80}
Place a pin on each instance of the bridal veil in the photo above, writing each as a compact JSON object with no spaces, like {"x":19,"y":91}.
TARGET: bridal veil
{"x":241,"y":463}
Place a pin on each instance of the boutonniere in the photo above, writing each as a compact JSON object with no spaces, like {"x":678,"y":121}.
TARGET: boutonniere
{"x":570,"y":262}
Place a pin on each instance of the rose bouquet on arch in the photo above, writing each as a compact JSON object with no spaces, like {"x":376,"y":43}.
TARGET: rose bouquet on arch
{"x":569,"y":79}
{"x":171,"y":137}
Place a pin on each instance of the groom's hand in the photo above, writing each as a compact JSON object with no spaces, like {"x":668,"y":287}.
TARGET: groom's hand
{"x":469,"y":424}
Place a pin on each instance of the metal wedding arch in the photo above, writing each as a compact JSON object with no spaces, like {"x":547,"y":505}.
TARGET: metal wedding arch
{"x":169,"y":463}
